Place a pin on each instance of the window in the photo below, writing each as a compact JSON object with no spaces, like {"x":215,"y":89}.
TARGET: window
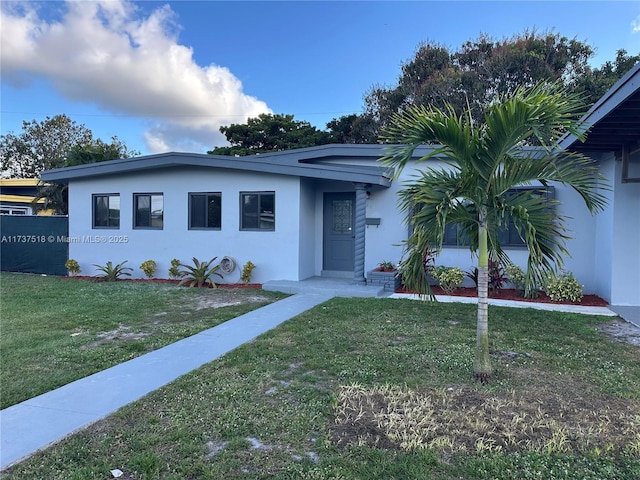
{"x":257,"y":211}
{"x":106,"y":210}
{"x":205,"y":211}
{"x":508,"y":236}
{"x":148,"y":210}
{"x":13,"y":210}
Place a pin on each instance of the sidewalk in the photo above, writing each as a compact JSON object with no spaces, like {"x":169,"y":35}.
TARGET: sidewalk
{"x":35,"y":423}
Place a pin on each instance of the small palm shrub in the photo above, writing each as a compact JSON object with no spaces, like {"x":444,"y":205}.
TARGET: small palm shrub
{"x":247,"y":271}
{"x":174,"y":270}
{"x":113,"y":272}
{"x":564,"y":288}
{"x":449,"y":278}
{"x":200,"y":273}
{"x":72,"y":266}
{"x":148,"y":267}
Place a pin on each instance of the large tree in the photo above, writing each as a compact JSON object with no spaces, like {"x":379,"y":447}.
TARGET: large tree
{"x":595,"y":82}
{"x":55,"y":195}
{"x":40,"y":146}
{"x":479,"y":72}
{"x":485,"y":161}
{"x":269,"y":133}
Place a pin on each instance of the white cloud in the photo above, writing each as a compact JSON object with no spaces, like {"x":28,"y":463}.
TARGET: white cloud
{"x":635,"y":25}
{"x":104,"y":52}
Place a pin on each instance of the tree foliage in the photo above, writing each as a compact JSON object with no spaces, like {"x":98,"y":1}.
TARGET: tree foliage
{"x":485,"y":161}
{"x":40,"y":146}
{"x":55,"y":142}
{"x":595,"y":82}
{"x":468,"y":79}
{"x":482,"y":70}
{"x":55,"y":195}
{"x":478,"y":73}
{"x":270,"y":133}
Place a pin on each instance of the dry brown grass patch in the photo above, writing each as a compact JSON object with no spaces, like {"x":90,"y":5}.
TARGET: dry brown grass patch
{"x":466,"y":419}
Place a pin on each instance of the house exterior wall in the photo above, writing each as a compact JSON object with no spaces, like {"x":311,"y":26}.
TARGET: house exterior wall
{"x":310,"y":233}
{"x":625,"y":240}
{"x":384,"y":242}
{"x":275,"y":253}
{"x":604,"y":252}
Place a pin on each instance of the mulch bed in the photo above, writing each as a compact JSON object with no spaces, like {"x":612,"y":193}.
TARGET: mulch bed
{"x":161,"y":280}
{"x":512,"y":294}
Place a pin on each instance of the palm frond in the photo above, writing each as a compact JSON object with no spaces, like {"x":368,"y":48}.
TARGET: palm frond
{"x":451,"y":135}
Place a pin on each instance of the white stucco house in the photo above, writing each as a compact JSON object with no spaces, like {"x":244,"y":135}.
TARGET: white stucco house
{"x":331,"y":210}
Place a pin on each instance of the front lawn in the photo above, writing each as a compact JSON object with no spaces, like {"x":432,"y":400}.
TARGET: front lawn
{"x":56,"y":330}
{"x":382,"y":388}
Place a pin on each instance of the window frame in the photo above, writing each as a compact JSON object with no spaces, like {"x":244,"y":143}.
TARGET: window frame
{"x":136,"y":196}
{"x":206,"y":216}
{"x":94,"y":198}
{"x":259,"y":215}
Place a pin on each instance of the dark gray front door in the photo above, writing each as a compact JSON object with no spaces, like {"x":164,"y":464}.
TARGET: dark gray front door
{"x":339,"y":216}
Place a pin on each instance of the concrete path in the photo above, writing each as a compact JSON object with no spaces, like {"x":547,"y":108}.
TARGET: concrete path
{"x":35,"y":423}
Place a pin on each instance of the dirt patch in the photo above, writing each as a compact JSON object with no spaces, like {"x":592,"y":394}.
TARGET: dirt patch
{"x":512,"y":294}
{"x":224,"y":297}
{"x":121,"y":333}
{"x":621,"y":331}
{"x":466,"y":419}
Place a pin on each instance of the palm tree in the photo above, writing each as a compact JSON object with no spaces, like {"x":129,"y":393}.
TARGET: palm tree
{"x":485,"y":162}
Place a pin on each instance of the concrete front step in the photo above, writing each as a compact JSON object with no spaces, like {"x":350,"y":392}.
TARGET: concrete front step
{"x":337,"y":287}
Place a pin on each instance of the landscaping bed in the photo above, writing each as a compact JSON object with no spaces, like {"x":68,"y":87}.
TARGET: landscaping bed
{"x":166,"y":281}
{"x":512,"y":294}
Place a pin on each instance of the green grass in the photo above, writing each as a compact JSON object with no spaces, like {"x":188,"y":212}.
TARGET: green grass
{"x":55,"y":330}
{"x":356,"y":388}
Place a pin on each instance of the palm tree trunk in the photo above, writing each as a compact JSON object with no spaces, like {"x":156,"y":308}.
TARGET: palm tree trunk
{"x":482,"y":363}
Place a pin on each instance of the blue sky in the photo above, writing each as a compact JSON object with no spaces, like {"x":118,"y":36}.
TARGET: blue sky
{"x":165,"y":75}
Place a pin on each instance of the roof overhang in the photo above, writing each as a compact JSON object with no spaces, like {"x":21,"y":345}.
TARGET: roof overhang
{"x":614,"y":120}
{"x":300,"y":163}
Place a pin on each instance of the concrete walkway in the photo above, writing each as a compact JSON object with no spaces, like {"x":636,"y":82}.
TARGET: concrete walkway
{"x":35,"y":423}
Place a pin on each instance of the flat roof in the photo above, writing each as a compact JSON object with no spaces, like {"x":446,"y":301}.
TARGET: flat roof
{"x":303,"y":162}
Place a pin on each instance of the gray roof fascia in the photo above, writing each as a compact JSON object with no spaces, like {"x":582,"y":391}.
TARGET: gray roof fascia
{"x":338,"y":151}
{"x":616,"y":95}
{"x":348,"y":173}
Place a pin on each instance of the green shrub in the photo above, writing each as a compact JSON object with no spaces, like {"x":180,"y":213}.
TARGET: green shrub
{"x":564,"y":288}
{"x":247,"y":271}
{"x":148,"y":267}
{"x":72,"y":266}
{"x":516,"y":276}
{"x":174,"y":271}
{"x":200,"y":273}
{"x":449,"y":278}
{"x":111,"y":272}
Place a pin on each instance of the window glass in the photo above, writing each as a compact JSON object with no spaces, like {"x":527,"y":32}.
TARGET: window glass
{"x":106,"y":211}
{"x":148,"y":210}
{"x":507,"y":236}
{"x":205,"y":210}
{"x":257,"y":211}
